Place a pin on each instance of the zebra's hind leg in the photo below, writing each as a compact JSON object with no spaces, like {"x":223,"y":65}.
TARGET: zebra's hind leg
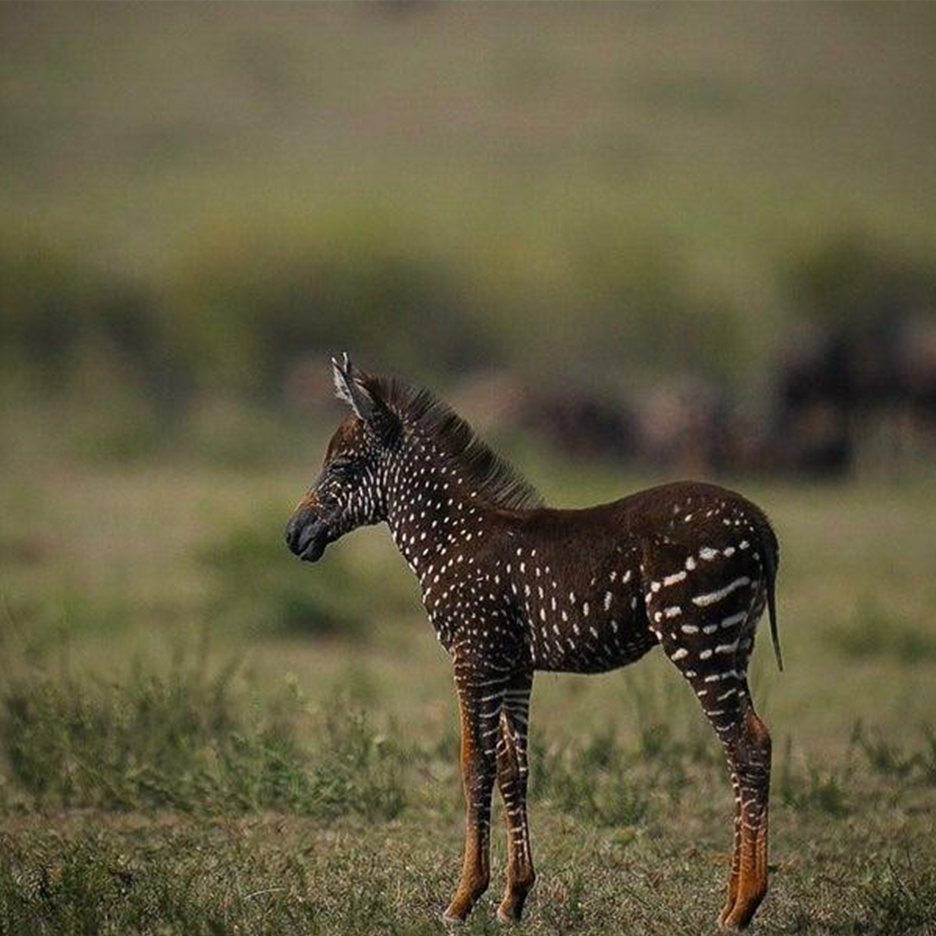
{"x":735,"y":871}
{"x":749,"y":757}
{"x":714,"y":665}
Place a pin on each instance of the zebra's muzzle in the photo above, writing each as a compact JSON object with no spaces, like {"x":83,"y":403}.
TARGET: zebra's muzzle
{"x":307,"y":534}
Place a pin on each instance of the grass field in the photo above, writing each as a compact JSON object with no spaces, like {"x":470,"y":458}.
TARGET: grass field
{"x":202,"y":735}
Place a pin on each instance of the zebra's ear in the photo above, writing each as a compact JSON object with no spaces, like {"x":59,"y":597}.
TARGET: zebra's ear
{"x":350,"y":386}
{"x":360,"y":394}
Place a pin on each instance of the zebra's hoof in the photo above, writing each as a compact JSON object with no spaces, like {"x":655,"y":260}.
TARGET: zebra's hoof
{"x":506,"y":918}
{"x":729,"y":921}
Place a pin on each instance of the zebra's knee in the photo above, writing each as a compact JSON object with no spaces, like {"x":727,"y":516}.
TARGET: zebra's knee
{"x":751,"y":745}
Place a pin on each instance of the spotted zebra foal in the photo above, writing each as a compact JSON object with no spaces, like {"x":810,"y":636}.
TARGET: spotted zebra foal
{"x":512,"y":587}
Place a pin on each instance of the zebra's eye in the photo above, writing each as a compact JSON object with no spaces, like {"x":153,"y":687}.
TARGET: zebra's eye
{"x":341,"y":467}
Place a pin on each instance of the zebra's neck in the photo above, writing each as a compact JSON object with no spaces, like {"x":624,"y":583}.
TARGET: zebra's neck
{"x":433,"y":512}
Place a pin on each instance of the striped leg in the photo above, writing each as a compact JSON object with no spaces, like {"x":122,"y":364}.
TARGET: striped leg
{"x":719,"y":680}
{"x":749,"y":752}
{"x":749,"y":756}
{"x":734,"y":873}
{"x":481,"y":698}
{"x":512,"y":775}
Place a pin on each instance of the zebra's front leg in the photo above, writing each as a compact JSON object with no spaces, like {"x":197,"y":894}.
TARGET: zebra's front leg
{"x":512,"y":775}
{"x":480,"y":696}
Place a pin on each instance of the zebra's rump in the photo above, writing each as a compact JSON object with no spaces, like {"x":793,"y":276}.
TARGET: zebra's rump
{"x":610,"y":582}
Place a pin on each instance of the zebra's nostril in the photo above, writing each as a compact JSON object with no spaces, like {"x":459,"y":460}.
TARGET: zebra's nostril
{"x":292,"y":532}
{"x":294,"y":528}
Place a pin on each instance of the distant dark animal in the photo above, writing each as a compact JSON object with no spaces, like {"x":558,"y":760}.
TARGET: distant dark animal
{"x":830,"y":388}
{"x":513,"y":587}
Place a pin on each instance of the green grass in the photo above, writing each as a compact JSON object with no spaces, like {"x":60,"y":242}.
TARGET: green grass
{"x":182,"y":740}
{"x":309,"y":821}
{"x":901,"y":898}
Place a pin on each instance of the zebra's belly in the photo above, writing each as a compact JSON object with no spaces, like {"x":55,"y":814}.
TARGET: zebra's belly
{"x":596,"y":648}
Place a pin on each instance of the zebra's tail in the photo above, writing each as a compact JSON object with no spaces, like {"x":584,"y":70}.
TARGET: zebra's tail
{"x":770,"y":550}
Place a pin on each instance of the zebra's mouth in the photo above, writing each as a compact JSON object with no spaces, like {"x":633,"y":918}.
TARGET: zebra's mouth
{"x":314,"y":550}
{"x":307,"y":536}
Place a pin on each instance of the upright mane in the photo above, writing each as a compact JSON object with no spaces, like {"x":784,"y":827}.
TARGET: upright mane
{"x":496,"y":480}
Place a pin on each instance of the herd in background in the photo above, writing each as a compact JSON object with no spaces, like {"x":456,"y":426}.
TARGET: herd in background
{"x":843,"y":397}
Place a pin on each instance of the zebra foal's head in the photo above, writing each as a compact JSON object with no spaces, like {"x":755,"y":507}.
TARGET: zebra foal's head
{"x":350,"y":491}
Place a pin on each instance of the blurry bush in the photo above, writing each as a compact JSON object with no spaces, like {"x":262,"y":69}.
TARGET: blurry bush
{"x":249,"y":300}
{"x":245,"y":300}
{"x":851,"y":281}
{"x":640,"y":308}
{"x":59,"y":311}
{"x":623,"y":330}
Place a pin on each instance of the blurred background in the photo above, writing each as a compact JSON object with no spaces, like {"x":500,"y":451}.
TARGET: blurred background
{"x":692,"y":239}
{"x":629,"y":243}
